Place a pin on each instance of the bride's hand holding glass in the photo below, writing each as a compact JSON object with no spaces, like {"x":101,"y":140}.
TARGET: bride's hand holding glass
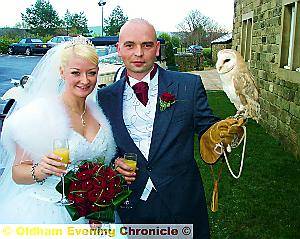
{"x":61,"y":149}
{"x":52,"y":164}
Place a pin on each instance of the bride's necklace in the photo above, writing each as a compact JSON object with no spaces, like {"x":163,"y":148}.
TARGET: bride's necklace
{"x":81,"y":116}
{"x":83,"y":122}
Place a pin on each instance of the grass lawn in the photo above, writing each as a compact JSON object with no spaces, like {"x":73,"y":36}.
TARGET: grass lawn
{"x":265,"y":201}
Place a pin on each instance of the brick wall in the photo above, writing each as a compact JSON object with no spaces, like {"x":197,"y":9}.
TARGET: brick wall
{"x":280,"y":92}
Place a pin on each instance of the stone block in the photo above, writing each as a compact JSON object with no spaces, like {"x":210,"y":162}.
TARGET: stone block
{"x":283,"y":129}
{"x":295,"y":110}
{"x":262,"y":74}
{"x":282,"y":103}
{"x":272,"y":121}
{"x":285,"y":117}
{"x":295,"y":124}
{"x":278,"y":39}
{"x":297,"y":98}
{"x":288,"y":94}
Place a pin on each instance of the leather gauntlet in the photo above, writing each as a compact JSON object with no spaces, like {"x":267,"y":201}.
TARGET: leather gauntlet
{"x":223,"y":132}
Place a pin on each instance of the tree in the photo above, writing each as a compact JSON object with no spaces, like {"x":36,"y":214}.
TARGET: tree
{"x":114,"y":22}
{"x":75,"y":23}
{"x":68,"y":21}
{"x":41,"y":18}
{"x":170,"y":57}
{"x":199,"y":29}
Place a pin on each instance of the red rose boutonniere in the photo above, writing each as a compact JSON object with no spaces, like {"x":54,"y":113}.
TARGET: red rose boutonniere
{"x":166,"y":100}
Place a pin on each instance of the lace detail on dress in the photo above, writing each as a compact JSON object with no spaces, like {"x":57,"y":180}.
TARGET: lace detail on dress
{"x":82,"y":149}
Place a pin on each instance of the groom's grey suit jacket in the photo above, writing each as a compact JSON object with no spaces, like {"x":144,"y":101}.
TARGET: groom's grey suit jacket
{"x":171,"y":163}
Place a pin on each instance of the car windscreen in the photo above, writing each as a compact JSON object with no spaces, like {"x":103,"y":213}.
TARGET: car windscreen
{"x":67,"y":38}
{"x":36,"y":41}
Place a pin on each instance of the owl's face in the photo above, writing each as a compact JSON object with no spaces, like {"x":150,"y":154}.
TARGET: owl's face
{"x":226,"y":61}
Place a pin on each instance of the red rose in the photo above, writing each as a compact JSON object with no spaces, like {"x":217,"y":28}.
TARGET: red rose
{"x":110,"y":173}
{"x":98,"y":167}
{"x":87,"y":185}
{"x":99,"y":182}
{"x":167,"y":97}
{"x":76,"y":192}
{"x":77,"y":196}
{"x":75,"y":185}
{"x":85,"y":166}
{"x":107,"y":196}
{"x":84,"y":175}
{"x":94,"y":195}
{"x":115,"y":184}
{"x":82,"y":209}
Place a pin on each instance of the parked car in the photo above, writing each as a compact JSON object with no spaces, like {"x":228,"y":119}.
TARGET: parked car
{"x":11,"y":96}
{"x":29,"y":46}
{"x":194,"y":49}
{"x":59,"y":39}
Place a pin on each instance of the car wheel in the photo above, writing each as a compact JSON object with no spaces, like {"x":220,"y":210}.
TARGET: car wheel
{"x":10,"y":51}
{"x":28,"y":52}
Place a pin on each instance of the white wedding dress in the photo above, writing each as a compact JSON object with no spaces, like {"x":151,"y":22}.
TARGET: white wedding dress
{"x":35,"y":203}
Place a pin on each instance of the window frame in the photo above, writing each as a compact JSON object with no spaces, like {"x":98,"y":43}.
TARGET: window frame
{"x":290,"y":36}
{"x":246,"y":36}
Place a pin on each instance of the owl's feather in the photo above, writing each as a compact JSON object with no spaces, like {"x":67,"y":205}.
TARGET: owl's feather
{"x":247,"y":91}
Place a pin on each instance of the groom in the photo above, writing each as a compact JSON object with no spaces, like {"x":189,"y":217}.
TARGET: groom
{"x":167,"y":187}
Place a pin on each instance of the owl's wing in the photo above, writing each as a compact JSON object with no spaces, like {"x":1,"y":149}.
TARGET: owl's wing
{"x":247,"y":90}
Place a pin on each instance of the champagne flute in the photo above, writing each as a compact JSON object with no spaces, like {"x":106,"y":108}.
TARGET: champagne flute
{"x":131,"y":160}
{"x":61,"y":149}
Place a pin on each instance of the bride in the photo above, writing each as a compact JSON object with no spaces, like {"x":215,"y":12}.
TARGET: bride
{"x":58,"y":104}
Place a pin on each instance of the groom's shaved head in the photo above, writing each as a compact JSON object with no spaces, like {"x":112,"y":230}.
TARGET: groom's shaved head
{"x":130,"y":25}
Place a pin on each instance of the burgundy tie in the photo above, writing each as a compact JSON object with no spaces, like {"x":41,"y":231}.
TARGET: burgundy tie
{"x":141,"y":91}
{"x":141,"y":88}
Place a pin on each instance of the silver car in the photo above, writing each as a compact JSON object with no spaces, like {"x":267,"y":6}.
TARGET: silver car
{"x":59,"y":39}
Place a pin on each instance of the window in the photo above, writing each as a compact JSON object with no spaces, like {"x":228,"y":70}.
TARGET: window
{"x":247,"y":36}
{"x":290,"y":40}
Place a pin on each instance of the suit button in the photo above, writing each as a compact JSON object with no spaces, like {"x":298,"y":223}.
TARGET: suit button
{"x":149,"y":168}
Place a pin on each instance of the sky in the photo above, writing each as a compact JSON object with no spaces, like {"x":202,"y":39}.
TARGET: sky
{"x":165,"y":15}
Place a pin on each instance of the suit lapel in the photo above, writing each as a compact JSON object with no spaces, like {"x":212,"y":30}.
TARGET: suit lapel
{"x":162,"y":118}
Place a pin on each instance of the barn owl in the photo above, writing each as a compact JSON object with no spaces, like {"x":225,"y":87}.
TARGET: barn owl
{"x":238,"y":83}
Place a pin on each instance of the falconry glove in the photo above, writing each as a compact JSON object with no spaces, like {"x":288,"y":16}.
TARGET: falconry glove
{"x":223,"y":132}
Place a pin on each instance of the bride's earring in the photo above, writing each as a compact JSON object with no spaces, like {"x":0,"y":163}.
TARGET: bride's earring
{"x":61,"y":85}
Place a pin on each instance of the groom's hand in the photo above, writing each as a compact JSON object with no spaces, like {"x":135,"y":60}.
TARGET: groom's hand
{"x":125,"y":170}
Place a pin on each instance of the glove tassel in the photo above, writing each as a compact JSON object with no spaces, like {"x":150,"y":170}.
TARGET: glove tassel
{"x":215,"y":196}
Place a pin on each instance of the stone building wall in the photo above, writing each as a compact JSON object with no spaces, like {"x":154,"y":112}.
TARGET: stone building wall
{"x":279,"y":88}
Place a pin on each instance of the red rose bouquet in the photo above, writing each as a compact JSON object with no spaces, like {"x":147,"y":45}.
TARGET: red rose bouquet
{"x":96,"y":190}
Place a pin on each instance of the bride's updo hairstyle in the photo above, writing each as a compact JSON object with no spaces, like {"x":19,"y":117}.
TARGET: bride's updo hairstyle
{"x":79,"y":46}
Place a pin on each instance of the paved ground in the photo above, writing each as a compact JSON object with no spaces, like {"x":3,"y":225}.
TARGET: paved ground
{"x":210,"y":79}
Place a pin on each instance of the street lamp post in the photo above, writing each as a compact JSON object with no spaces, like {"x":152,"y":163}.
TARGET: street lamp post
{"x":101,"y":3}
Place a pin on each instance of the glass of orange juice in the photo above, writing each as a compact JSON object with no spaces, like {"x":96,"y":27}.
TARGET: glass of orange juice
{"x":131,"y":160}
{"x":61,"y":149}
